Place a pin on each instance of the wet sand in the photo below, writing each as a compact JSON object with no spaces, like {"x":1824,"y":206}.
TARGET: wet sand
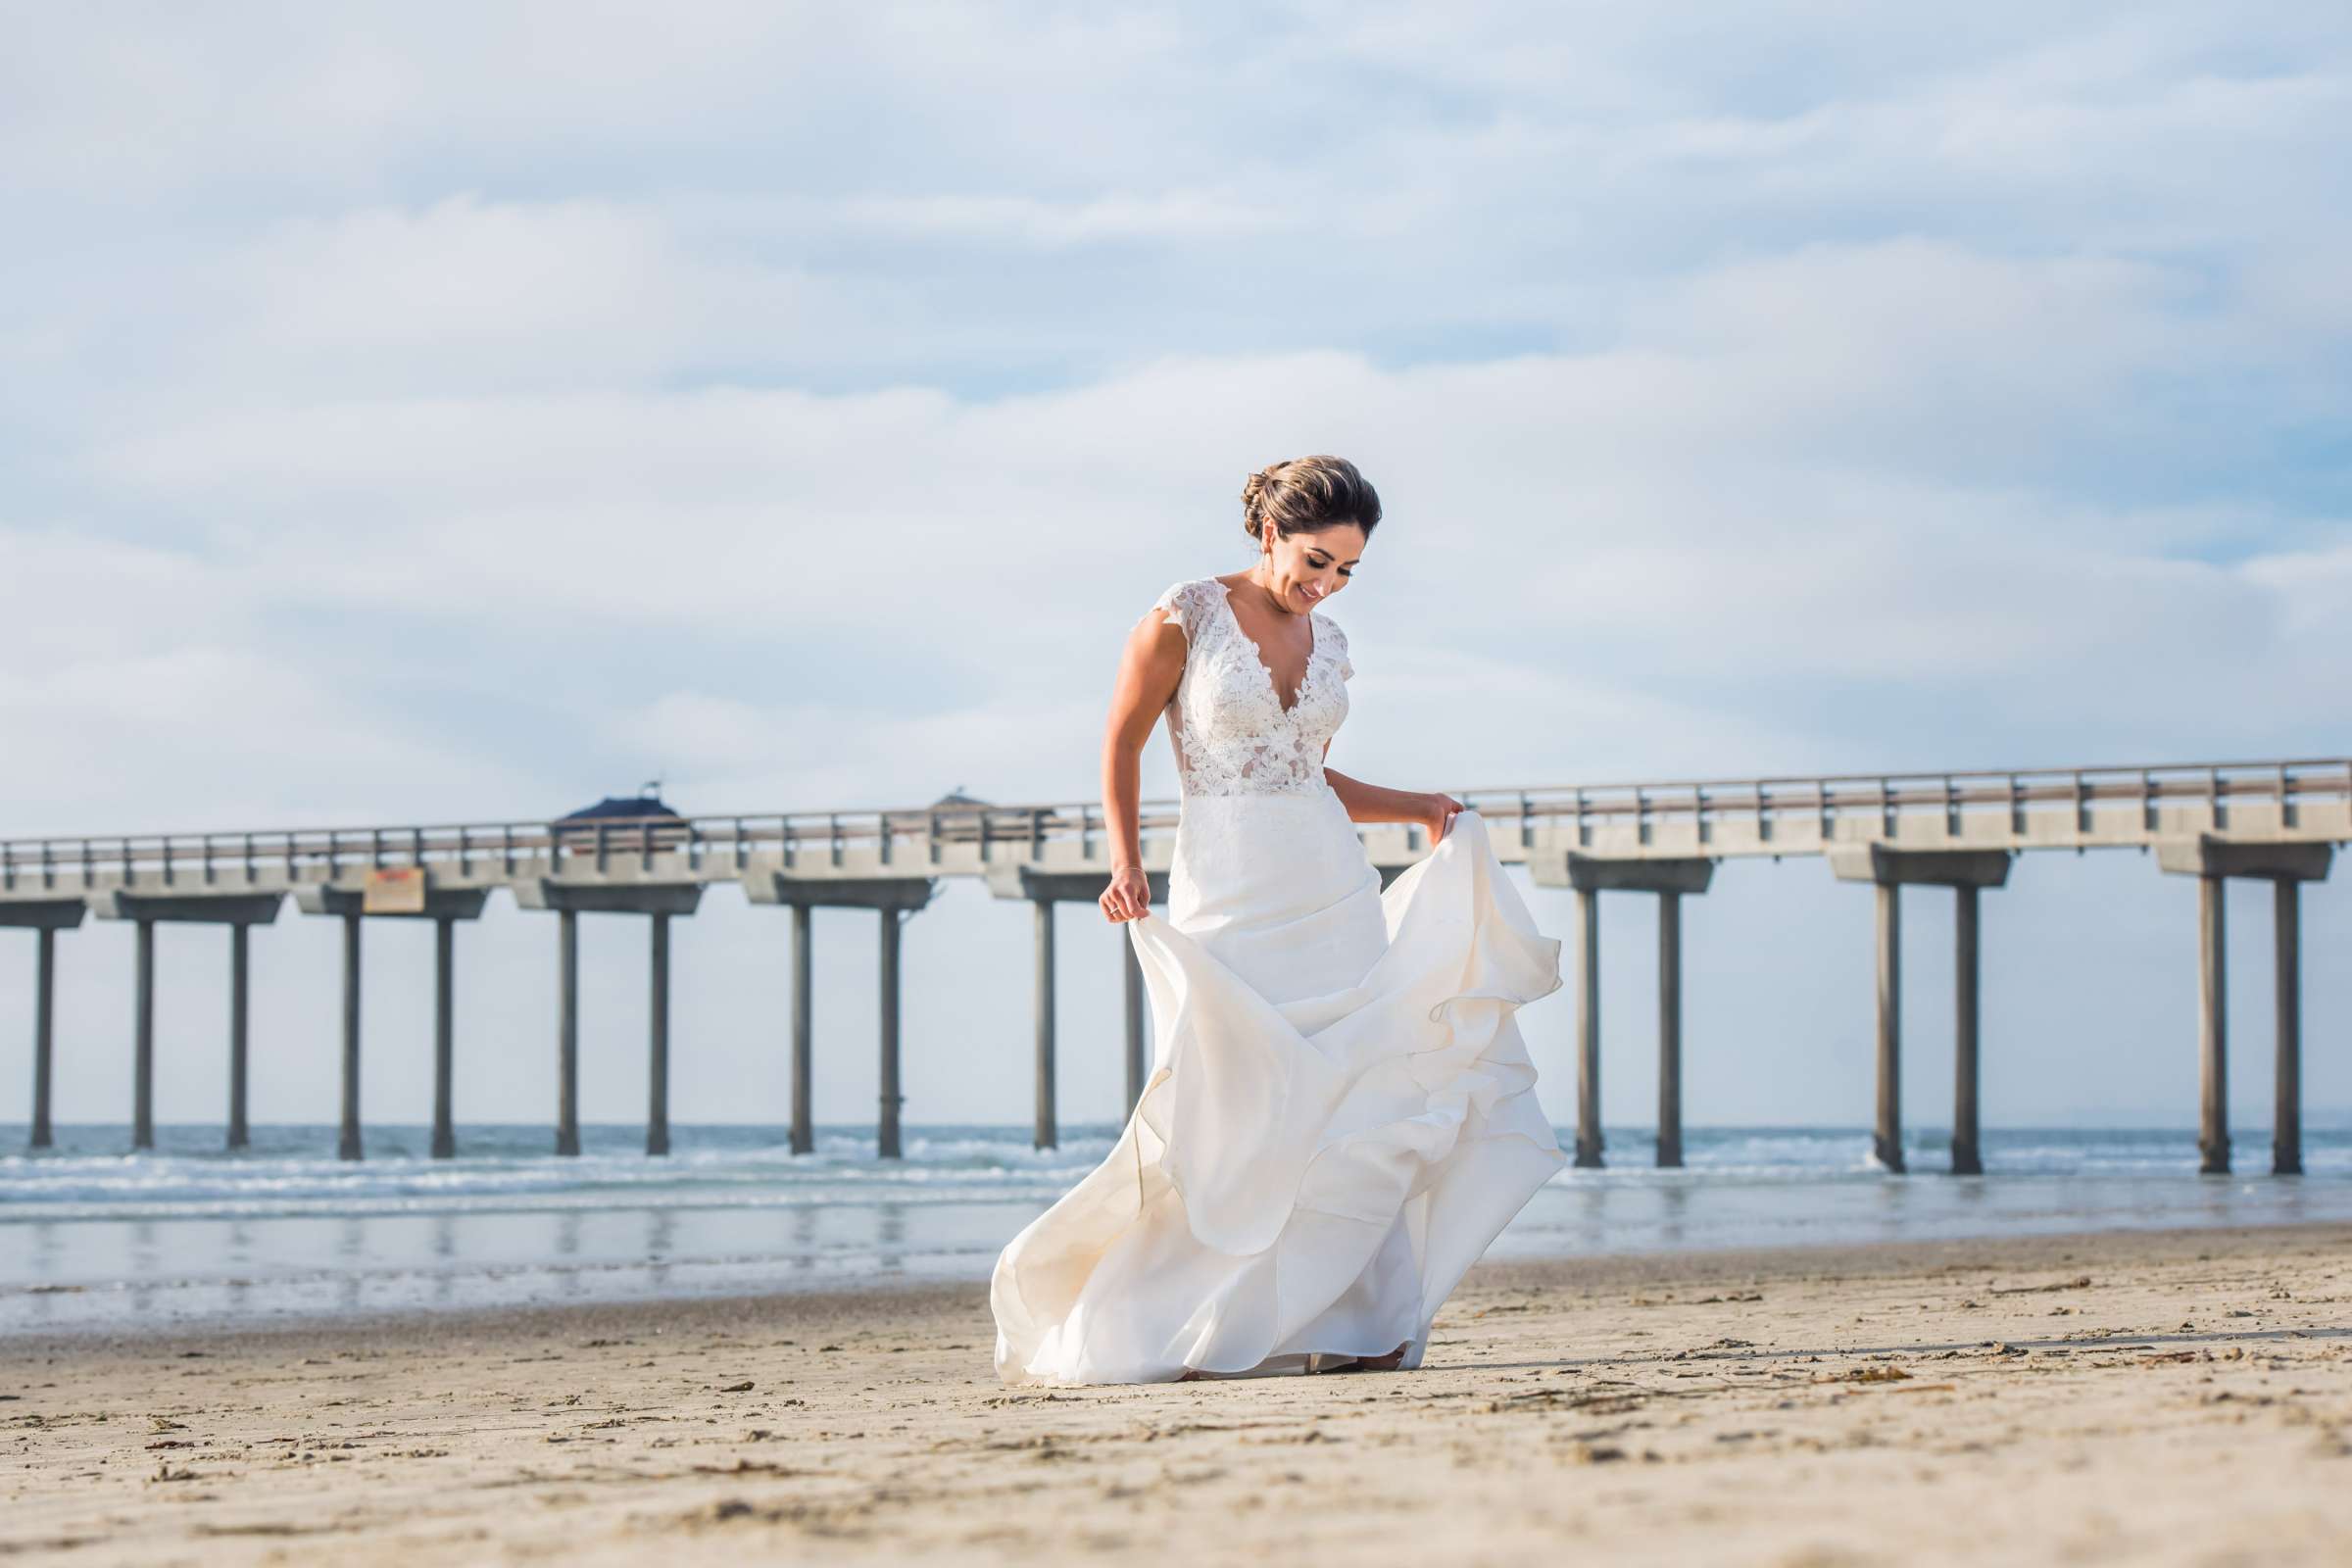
{"x":2154,"y":1398}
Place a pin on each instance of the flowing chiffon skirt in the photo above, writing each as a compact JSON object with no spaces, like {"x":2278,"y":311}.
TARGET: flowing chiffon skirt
{"x":1340,"y":1117}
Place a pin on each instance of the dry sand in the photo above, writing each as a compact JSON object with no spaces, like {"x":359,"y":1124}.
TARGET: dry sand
{"x":2146,"y":1399}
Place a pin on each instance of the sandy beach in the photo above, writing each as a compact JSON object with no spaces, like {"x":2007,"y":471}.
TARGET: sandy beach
{"x":2166,"y":1398}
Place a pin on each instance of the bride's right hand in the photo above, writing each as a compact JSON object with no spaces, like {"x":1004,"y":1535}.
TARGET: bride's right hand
{"x":1128,"y":896}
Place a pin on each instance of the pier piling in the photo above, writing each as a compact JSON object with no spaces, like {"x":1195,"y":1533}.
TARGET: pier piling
{"x":886,"y":1130}
{"x":1889,"y":869}
{"x":2212,"y":1028}
{"x":142,"y":1060}
{"x":2213,"y":859}
{"x":1042,"y":891}
{"x":1967,"y":1157}
{"x":657,"y":1111}
{"x":45,"y":918}
{"x":146,"y":911}
{"x":2286,"y":1120}
{"x":804,"y":1125}
{"x":1887,"y":1142}
{"x":570,"y":896}
{"x":445,"y":943}
{"x":44,"y":1033}
{"x":408,"y":899}
{"x":1670,"y":1031}
{"x":1131,"y":977}
{"x":348,"y":1145}
{"x":893,"y":898}
{"x":240,"y":969}
{"x":1590,"y":875}
{"x":1045,"y":1135}
{"x":568,"y":1031}
{"x":1588,"y":1029}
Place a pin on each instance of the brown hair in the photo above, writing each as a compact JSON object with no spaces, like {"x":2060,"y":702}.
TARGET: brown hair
{"x":1307,"y":495}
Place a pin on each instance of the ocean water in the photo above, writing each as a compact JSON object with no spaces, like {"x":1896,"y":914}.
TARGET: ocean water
{"x":93,"y":1237}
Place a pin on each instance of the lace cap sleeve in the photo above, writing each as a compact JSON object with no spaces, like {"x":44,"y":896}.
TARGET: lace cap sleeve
{"x":1339,"y":646}
{"x":1182,"y":606}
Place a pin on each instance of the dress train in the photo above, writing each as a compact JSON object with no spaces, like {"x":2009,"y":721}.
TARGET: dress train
{"x":1339,"y":1119}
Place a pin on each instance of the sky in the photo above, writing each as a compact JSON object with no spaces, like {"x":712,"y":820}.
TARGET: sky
{"x":432,"y":412}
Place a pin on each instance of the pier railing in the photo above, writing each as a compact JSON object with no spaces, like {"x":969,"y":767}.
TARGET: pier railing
{"x":1790,"y":815}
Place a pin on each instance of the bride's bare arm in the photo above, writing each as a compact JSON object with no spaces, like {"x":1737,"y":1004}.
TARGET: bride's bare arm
{"x":1374,"y":802}
{"x":1149,"y":667}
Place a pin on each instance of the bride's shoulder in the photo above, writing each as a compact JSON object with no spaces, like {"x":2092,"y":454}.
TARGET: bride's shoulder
{"x":1188,"y":602}
{"x":1331,"y":635}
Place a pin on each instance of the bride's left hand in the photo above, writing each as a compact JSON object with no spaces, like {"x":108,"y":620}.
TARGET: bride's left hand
{"x":1442,"y":810}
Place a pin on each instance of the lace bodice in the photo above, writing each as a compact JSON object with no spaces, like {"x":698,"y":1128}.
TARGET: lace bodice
{"x":1227,"y":723}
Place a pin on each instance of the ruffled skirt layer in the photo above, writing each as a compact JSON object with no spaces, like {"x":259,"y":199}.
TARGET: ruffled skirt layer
{"x":1340,"y":1118}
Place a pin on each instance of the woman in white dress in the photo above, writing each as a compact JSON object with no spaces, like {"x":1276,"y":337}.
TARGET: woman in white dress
{"x":1340,"y":1113}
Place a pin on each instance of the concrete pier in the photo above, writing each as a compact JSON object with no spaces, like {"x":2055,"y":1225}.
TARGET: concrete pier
{"x":2213,"y":859}
{"x":239,"y":1012}
{"x":348,"y":1145}
{"x":886,"y":1129}
{"x":410,"y":899}
{"x":1888,"y":870}
{"x":445,"y":944}
{"x":568,"y":1031}
{"x":2286,"y":1115}
{"x":656,"y":1108}
{"x":2213,"y":1026}
{"x":1670,"y":1031}
{"x":235,"y":910}
{"x":803,"y":1123}
{"x":44,"y":1036}
{"x":893,"y":898}
{"x":1131,"y":984}
{"x":142,"y":1058}
{"x":1588,"y":1029}
{"x":1047,"y":1134}
{"x":1887,"y":1142}
{"x":1591,"y":875}
{"x":569,"y":897}
{"x":2278,"y":820}
{"x":45,"y":919}
{"x":1968,"y":1157}
{"x":1042,"y":891}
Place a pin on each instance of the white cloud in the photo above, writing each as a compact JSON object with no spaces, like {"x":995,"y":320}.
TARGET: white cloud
{"x":1028,"y":221}
{"x":801,"y":404}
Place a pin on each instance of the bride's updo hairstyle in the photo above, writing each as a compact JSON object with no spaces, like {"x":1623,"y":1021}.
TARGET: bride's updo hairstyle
{"x":1307,"y":495}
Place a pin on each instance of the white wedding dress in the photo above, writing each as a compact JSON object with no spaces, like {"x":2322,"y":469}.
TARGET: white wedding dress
{"x":1340,"y":1115}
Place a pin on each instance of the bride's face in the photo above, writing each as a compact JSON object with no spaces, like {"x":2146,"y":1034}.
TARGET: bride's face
{"x":1307,"y":569}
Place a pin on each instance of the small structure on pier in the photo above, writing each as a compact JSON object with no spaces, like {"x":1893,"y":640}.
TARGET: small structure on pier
{"x":646,"y":806}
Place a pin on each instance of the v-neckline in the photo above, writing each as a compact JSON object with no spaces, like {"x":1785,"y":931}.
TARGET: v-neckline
{"x":1305,"y":672}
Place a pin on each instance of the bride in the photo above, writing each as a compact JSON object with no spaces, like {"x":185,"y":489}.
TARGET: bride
{"x":1340,"y":1113}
